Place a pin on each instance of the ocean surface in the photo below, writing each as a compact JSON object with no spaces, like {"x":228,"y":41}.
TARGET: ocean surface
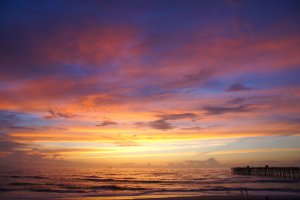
{"x":77,"y":182}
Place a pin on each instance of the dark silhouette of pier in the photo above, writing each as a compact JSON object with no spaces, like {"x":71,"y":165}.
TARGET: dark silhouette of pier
{"x":283,"y":172}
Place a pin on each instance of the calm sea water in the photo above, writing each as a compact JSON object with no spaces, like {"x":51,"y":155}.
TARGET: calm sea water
{"x":77,"y":182}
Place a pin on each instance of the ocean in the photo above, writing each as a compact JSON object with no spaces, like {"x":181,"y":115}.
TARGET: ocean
{"x":51,"y":183}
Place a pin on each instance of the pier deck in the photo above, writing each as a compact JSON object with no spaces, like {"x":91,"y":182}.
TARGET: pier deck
{"x":283,"y":172}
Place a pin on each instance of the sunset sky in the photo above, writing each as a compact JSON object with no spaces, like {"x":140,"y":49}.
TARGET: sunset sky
{"x":150,"y":82}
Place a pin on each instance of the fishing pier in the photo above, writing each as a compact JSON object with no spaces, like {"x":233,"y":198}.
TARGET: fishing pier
{"x":282,"y":172}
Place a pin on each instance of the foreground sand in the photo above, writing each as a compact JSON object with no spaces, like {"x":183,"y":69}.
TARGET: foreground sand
{"x":250,"y":197}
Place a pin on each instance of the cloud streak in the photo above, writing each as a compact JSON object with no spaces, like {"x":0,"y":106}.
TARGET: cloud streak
{"x":55,"y":114}
{"x":238,"y":87}
{"x":107,"y":123}
{"x":190,"y":116}
{"x":219,"y":110}
{"x":161,"y":124}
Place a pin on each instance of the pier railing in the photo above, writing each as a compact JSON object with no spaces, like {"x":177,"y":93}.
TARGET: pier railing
{"x":284,"y":172}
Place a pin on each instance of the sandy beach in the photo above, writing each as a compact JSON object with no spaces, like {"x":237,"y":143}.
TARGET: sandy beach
{"x":212,"y":197}
{"x":254,"y":197}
